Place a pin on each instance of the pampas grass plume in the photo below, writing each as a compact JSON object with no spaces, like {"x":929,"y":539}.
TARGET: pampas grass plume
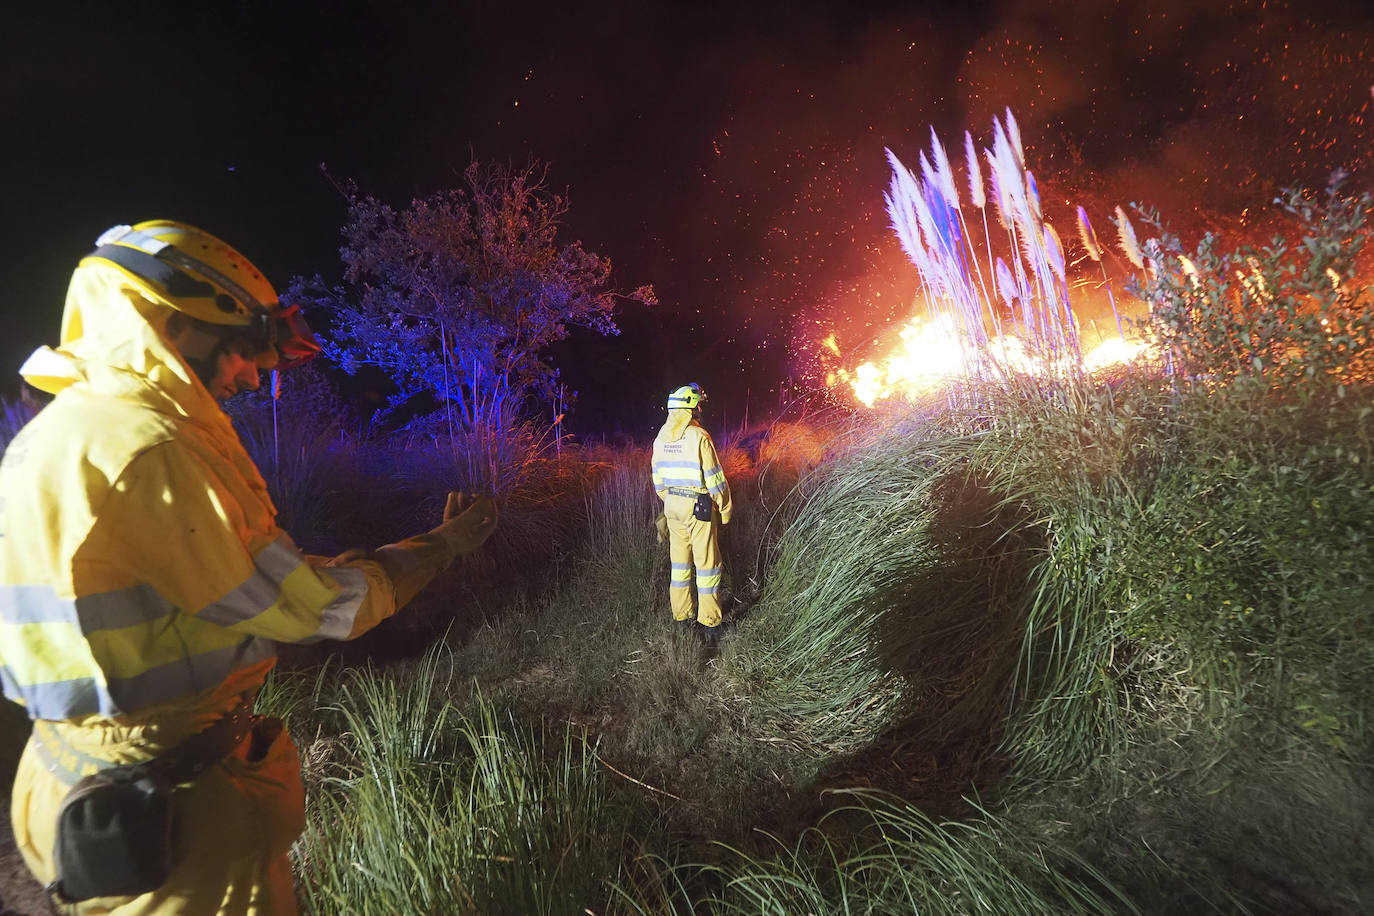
{"x":1014,"y":136}
{"x":1128,"y":243}
{"x":1054,"y":252}
{"x":999,"y":194}
{"x":1011,"y":184}
{"x":1033,"y":197}
{"x":942,"y":170}
{"x":1006,"y":286}
{"x":1085,"y":232}
{"x":902,"y":210}
{"x":975,"y":173}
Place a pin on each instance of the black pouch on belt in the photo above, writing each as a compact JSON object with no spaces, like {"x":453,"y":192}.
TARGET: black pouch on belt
{"x":701,"y":511}
{"x":114,"y":835}
{"x":115,"y":829}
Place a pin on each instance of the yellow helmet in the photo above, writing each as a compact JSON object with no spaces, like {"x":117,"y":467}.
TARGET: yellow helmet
{"x":192,"y":271}
{"x":689,"y":396}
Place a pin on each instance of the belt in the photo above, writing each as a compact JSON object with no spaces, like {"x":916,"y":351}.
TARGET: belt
{"x":690,"y":494}
{"x":205,"y":748}
{"x":177,"y":765}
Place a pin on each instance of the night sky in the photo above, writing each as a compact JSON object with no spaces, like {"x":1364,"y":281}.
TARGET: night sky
{"x":730,"y":154}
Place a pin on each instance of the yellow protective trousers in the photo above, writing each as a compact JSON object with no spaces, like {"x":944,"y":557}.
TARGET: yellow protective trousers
{"x":694,"y":556}
{"x":233,"y":825}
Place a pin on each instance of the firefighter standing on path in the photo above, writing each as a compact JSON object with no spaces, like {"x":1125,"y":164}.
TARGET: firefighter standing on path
{"x":696,"y":502}
{"x":144,"y":582}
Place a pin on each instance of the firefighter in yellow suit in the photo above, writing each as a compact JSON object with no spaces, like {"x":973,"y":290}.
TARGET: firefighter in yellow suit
{"x":687,"y":473}
{"x":143,"y":579}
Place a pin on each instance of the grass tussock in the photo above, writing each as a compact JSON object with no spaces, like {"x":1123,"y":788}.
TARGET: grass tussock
{"x":417,"y":806}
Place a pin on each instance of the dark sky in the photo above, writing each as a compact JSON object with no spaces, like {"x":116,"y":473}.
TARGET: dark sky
{"x":731,"y":154}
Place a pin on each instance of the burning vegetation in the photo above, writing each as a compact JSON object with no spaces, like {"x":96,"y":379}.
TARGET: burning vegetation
{"x":991,"y":312}
{"x":998,"y":306}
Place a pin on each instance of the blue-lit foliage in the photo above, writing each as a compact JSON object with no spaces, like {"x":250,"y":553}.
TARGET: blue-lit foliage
{"x":459,"y":295}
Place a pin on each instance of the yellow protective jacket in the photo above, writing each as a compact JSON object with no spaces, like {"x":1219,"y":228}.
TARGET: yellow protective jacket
{"x":684,"y":458}
{"x":143,"y":582}
{"x":142,"y":574}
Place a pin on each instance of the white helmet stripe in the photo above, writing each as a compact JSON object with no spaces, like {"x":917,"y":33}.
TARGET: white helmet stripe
{"x":127,"y":235}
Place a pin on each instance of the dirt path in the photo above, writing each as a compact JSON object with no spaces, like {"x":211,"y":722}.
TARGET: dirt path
{"x":20,"y":895}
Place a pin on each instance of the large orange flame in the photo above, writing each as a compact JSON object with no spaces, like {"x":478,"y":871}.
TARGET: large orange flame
{"x":930,"y":355}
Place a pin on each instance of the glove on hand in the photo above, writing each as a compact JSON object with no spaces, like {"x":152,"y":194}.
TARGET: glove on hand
{"x":661,"y":523}
{"x":469,"y":520}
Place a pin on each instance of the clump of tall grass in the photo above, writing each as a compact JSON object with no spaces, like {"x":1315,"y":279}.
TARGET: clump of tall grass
{"x":899,"y":861}
{"x":1072,"y":465}
{"x":422,"y":807}
{"x":620,"y":507}
{"x":298,"y":435}
{"x":496,"y":451}
{"x":843,"y":602}
{"x":1202,"y":562}
{"x":310,"y":474}
{"x":424,"y":798}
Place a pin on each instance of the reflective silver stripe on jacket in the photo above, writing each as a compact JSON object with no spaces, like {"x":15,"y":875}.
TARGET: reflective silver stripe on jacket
{"x":125,"y":607}
{"x":188,"y":675}
{"x":23,"y":604}
{"x":336,"y":622}
{"x":59,"y":699}
{"x":678,"y":473}
{"x":260,"y":591}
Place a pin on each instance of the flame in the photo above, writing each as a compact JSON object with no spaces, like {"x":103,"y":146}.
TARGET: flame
{"x":930,"y":354}
{"x":1114,"y":351}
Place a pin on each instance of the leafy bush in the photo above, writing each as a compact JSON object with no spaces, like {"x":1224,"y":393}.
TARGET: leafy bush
{"x":460,"y":295}
{"x":1288,"y":315}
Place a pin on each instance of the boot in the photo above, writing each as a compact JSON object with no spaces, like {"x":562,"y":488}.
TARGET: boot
{"x":711,"y":636}
{"x":685,"y":627}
